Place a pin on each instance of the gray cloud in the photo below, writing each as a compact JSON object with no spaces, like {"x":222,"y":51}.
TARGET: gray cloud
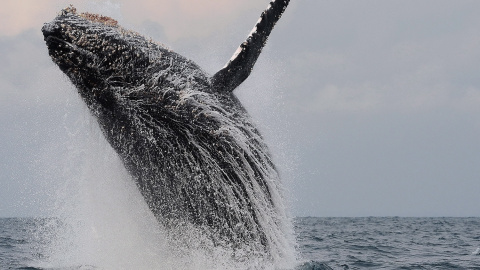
{"x":393,"y":55}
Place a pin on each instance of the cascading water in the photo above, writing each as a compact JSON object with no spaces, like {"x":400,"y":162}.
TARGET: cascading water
{"x":101,"y":219}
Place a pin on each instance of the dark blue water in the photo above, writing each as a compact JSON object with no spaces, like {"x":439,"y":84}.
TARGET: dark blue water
{"x":18,"y":242}
{"x":391,"y":243}
{"x":323,"y":243}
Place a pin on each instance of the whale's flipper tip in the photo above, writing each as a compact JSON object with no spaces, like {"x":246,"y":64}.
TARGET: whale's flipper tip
{"x":241,"y":64}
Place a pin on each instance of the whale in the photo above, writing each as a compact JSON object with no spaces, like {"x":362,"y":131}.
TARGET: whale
{"x":194,"y":152}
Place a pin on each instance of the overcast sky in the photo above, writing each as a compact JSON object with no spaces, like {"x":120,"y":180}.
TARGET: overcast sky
{"x":371,"y":108}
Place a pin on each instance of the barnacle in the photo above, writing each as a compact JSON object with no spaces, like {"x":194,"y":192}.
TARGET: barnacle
{"x":99,"y":18}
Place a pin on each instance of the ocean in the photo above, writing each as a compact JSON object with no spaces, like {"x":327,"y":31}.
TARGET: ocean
{"x":323,"y":244}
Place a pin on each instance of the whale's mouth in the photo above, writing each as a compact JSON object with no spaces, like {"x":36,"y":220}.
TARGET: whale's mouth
{"x":66,"y":54}
{"x":57,"y":46}
{"x":79,"y":64}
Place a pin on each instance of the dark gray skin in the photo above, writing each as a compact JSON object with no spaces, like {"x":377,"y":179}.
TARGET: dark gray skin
{"x":187,"y":141}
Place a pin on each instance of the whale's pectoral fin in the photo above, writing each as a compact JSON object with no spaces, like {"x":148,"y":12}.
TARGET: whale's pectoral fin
{"x":242,"y":62}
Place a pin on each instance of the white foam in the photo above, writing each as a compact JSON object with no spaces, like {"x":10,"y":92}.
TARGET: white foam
{"x":104,"y":221}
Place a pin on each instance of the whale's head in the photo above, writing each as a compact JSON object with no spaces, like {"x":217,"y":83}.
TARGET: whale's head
{"x":108,"y":63}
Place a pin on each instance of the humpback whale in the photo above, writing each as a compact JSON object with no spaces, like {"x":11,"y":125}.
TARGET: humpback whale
{"x":190,"y":146}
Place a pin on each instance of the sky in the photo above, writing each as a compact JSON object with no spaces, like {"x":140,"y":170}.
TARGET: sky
{"x":370,"y":108}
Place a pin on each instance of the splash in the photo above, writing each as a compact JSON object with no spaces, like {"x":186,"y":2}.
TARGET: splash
{"x":101,"y":219}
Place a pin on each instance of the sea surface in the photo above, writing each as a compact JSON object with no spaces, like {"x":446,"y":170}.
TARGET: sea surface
{"x":323,"y":243}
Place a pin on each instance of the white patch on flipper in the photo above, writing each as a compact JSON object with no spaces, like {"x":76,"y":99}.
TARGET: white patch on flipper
{"x":235,"y":55}
{"x":254,"y":30}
